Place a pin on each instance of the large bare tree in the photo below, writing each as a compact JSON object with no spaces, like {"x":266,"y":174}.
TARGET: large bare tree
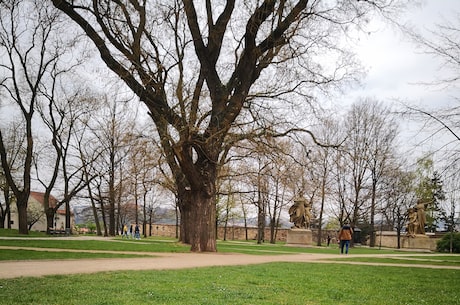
{"x":381,"y":151}
{"x":196,"y":65}
{"x":111,"y":129}
{"x":61,"y":116}
{"x":30,"y":56}
{"x":323,"y":169}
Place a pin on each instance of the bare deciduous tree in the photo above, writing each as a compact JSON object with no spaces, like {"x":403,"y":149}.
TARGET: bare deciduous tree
{"x":61,"y":114}
{"x":370,"y":141}
{"x":112,"y":131}
{"x":30,"y":56}
{"x":324,"y":162}
{"x":198,"y":80}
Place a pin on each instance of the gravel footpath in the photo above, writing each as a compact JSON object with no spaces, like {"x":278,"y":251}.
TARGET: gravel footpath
{"x":158,"y":261}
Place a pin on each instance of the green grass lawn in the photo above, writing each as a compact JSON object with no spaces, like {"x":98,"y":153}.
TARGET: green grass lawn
{"x":145,"y":245}
{"x":251,"y":247}
{"x":14,"y":233}
{"x":7,"y":254}
{"x":162,"y":245}
{"x":274,"y":283}
{"x":450,"y":260}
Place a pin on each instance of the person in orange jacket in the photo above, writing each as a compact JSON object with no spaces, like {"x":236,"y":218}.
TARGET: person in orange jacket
{"x":345,"y":235}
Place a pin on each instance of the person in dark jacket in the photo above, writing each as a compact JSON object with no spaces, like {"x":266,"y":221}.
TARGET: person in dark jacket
{"x":137,"y":232}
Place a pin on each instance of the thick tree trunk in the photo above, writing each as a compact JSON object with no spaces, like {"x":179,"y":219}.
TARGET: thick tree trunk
{"x":202,"y":222}
{"x":261,"y":223}
{"x":111,"y":231}
{"x":68,"y":222}
{"x":6,"y":215}
{"x":8,"y":219}
{"x":22,"y":215}
{"x":94,"y":209}
{"x":185,"y":216}
{"x":21,"y":205}
{"x":49,"y":212}
{"x":272,"y":230}
{"x":104,"y":221}
{"x":198,"y":221}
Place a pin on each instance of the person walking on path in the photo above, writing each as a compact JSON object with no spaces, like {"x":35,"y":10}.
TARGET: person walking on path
{"x":131,"y":233}
{"x":345,"y":235}
{"x":125,"y":232}
{"x":137,"y":233}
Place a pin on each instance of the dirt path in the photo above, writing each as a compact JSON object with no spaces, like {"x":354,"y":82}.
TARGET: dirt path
{"x":164,"y":261}
{"x":159,"y":261}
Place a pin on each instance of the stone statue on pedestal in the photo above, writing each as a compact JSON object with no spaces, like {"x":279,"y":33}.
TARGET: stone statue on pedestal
{"x":416,"y":219}
{"x":412,"y":222}
{"x":421,"y":217}
{"x":300,"y":214}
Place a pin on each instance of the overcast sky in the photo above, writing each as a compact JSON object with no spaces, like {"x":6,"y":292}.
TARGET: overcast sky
{"x":396,"y":67}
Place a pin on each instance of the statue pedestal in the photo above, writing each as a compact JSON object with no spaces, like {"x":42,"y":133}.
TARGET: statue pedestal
{"x":420,"y":242}
{"x":299,"y":237}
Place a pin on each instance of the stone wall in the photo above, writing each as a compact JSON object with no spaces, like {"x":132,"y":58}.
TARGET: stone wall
{"x":389,"y":239}
{"x":233,"y":233}
{"x":239,"y":233}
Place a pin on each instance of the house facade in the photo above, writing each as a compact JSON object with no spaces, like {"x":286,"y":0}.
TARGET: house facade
{"x":36,"y":214}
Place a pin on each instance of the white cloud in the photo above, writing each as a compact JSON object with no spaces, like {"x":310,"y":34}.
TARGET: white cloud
{"x":397,"y":67}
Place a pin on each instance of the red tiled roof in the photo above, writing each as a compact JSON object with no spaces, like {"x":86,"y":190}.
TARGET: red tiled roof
{"x":40,"y":198}
{"x":52,"y":201}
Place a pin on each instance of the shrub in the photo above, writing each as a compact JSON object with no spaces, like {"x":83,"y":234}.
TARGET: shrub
{"x":444,"y":244}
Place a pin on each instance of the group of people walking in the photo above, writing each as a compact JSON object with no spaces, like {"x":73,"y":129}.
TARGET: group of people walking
{"x":133,"y":231}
